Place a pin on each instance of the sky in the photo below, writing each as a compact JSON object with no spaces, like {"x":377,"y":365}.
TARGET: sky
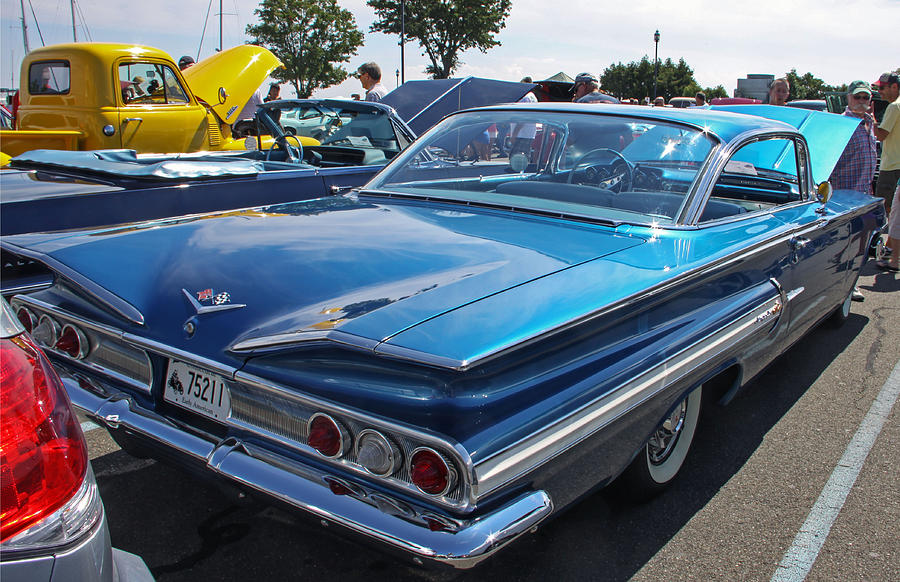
{"x":721,"y":40}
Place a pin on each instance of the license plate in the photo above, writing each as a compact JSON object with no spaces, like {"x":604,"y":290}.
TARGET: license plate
{"x":198,"y":390}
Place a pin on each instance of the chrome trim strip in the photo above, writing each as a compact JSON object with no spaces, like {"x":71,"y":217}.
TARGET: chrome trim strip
{"x":307,"y":489}
{"x":552,"y":440}
{"x":101,"y":294}
{"x":24,"y":289}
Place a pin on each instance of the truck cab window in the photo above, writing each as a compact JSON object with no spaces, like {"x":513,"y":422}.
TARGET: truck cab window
{"x":149,"y":83}
{"x":48,"y":78}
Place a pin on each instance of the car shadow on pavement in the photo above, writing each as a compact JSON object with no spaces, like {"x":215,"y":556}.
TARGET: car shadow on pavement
{"x":185,"y":529}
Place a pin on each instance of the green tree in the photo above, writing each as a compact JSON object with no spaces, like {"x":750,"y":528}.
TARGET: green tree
{"x":807,"y":86}
{"x":311,"y":37}
{"x":636,"y":79}
{"x":444,"y":28}
{"x":714,"y":92}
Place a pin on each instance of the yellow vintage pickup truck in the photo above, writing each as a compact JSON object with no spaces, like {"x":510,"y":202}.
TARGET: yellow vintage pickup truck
{"x":87,"y":96}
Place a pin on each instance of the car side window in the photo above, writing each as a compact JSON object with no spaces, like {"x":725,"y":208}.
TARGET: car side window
{"x":760,"y":175}
{"x":149,"y":83}
{"x":48,"y":78}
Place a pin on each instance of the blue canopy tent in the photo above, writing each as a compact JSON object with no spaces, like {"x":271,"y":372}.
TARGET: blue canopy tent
{"x":421,"y":104}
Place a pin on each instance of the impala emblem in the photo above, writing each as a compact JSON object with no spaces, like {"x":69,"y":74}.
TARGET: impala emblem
{"x":218,"y":301}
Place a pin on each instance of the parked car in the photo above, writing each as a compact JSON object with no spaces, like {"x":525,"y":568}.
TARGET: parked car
{"x":814,"y":104}
{"x":50,"y":190}
{"x":52,"y":523}
{"x":682,"y":102}
{"x":444,"y":359}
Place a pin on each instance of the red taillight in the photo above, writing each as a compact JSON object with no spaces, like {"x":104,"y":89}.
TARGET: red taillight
{"x":430,"y":472}
{"x":72,"y":342}
{"x":326,"y":436}
{"x":27,"y":318}
{"x":43,"y":456}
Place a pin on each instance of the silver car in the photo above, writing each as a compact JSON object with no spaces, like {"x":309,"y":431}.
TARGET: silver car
{"x":52,"y":523}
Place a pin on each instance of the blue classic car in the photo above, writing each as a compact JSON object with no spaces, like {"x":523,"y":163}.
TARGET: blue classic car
{"x":443,"y":359}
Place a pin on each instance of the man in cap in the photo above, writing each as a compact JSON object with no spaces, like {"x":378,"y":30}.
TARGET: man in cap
{"x":587,"y":90}
{"x":185,"y":62}
{"x":888,"y":133}
{"x":856,"y":166}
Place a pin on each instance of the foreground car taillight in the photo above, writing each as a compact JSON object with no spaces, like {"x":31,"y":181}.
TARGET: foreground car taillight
{"x":47,"y":492}
{"x":430,"y":472}
{"x":326,"y":436}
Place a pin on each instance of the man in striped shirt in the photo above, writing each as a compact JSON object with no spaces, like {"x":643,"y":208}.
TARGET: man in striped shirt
{"x":856,"y":167}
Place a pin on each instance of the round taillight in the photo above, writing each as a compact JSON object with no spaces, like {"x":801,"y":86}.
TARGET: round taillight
{"x":377,"y":454}
{"x":46,"y":332}
{"x":72,"y":342}
{"x":27,"y":318}
{"x":326,"y":436}
{"x":430,"y":472}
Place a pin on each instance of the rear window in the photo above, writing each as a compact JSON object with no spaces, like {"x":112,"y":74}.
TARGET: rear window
{"x":48,"y":78}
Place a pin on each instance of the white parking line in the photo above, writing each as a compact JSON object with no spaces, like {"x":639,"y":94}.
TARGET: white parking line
{"x":799,"y":559}
{"x":88,"y":426}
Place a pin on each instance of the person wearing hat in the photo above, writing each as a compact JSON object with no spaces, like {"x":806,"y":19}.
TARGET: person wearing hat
{"x":888,"y":133}
{"x":185,"y":62}
{"x":856,"y":166}
{"x":587,"y":90}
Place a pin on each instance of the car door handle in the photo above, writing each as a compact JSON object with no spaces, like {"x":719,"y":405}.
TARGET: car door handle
{"x":127,"y":119}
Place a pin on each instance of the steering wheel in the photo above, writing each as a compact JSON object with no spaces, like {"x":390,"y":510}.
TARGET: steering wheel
{"x":294,"y":153}
{"x":612,"y":179}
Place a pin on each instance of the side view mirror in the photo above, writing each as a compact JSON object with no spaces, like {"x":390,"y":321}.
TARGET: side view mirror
{"x":823,"y":192}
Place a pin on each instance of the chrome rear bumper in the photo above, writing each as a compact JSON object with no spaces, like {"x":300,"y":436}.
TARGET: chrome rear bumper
{"x":462,"y":544}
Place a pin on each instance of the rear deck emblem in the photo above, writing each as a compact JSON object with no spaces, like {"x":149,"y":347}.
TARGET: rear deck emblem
{"x":216,"y":301}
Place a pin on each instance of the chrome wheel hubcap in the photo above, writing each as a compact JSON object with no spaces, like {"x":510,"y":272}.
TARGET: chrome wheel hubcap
{"x":661,"y":444}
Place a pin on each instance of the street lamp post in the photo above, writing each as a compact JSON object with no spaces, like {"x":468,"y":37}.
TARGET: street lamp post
{"x":655,"y":62}
{"x":402,"y":37}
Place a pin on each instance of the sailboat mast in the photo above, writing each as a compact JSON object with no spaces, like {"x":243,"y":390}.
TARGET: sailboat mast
{"x":24,"y":26}
{"x":74,"y":34}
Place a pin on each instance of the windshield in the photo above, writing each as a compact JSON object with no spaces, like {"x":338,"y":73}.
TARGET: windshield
{"x":607,"y":167}
{"x":333,"y":124}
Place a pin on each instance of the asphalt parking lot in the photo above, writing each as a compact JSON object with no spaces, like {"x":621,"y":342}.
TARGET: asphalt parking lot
{"x":753,"y":479}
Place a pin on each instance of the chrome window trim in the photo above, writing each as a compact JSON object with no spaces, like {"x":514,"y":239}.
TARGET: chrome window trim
{"x":552,"y":440}
{"x":692,"y":212}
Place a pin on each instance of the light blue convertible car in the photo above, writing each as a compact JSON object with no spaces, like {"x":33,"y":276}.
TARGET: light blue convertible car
{"x":442,"y":360}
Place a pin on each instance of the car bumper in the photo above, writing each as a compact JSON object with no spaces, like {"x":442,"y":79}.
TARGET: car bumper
{"x":463,"y":543}
{"x":92,"y":558}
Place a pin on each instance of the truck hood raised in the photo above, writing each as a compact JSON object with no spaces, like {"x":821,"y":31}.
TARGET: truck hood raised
{"x":227,"y":80}
{"x":334,"y":269}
